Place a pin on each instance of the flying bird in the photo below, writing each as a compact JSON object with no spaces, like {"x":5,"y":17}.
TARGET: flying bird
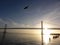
{"x":29,"y":4}
{"x":26,"y":7}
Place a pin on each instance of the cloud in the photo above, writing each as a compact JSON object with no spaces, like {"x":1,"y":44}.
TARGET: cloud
{"x":12,"y":23}
{"x":52,"y":17}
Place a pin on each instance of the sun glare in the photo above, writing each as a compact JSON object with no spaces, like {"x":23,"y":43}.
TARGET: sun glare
{"x":46,"y":35}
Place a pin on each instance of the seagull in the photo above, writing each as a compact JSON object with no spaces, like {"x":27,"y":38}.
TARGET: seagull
{"x":26,"y":7}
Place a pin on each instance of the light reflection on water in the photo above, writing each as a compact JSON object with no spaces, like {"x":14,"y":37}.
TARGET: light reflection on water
{"x":29,"y":38}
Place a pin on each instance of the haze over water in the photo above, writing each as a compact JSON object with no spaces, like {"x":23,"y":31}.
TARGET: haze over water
{"x":29,"y":13}
{"x":26,"y":37}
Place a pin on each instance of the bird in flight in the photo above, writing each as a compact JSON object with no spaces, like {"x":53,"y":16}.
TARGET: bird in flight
{"x":26,"y":7}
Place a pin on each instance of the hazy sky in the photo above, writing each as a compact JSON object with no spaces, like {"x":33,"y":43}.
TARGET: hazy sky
{"x":12,"y":12}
